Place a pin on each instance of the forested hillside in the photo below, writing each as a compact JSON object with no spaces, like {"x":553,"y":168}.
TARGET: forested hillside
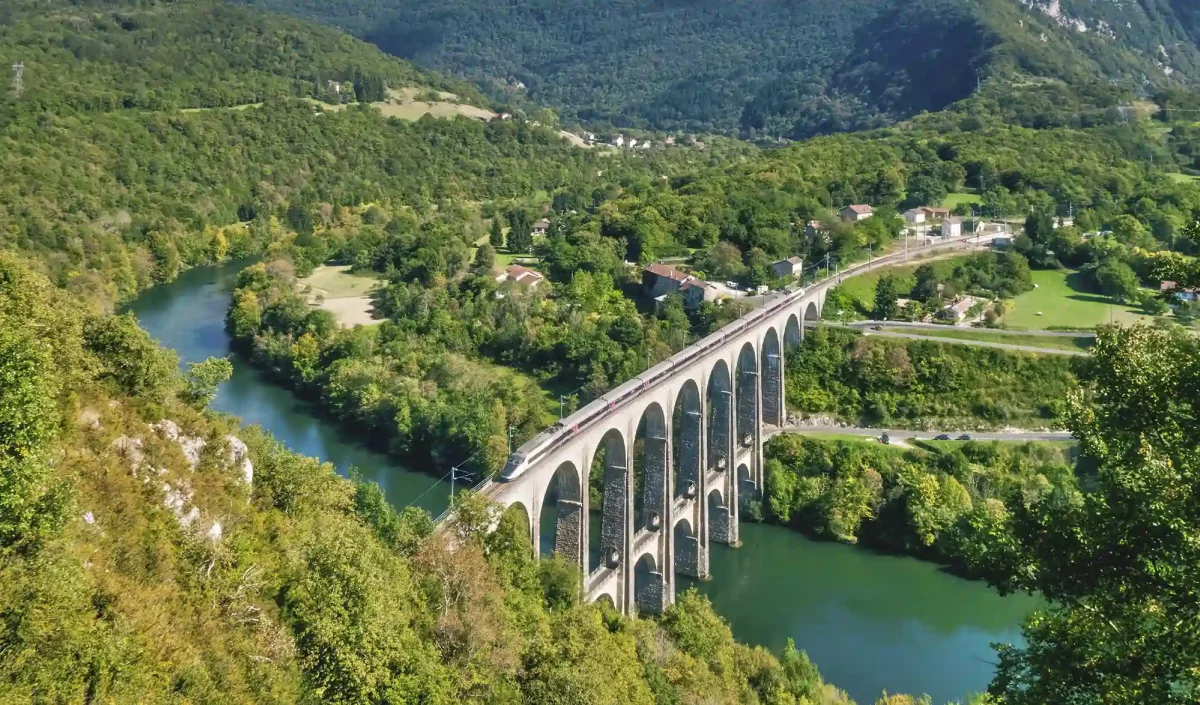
{"x":153,"y":552}
{"x":784,"y":68}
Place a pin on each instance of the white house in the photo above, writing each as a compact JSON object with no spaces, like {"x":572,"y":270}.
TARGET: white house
{"x":915,"y":216}
{"x":619,"y":141}
{"x":952,"y":227}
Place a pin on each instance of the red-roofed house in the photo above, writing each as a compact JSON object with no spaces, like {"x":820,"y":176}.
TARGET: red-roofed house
{"x":659,"y":279}
{"x":1180,"y":294}
{"x":516,"y":274}
{"x":856,"y":212}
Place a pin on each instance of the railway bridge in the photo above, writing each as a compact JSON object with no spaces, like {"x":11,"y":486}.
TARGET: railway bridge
{"x":635,"y":487}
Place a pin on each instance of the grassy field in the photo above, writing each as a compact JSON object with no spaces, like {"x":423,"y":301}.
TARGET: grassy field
{"x":1032,"y":340}
{"x":503,"y":259}
{"x":954,"y":200}
{"x":862,"y":287}
{"x":1063,"y":302}
{"x":1189,"y":178}
{"x":347,"y":296}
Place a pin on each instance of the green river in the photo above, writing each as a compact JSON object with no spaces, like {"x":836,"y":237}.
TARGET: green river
{"x":869,"y":622}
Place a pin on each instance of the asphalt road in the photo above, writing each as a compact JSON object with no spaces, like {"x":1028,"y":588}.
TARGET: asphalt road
{"x":989,"y":331}
{"x":977,"y":343}
{"x":900,"y":434}
{"x":864,"y":327}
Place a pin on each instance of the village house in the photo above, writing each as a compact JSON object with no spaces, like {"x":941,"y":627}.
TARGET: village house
{"x":618,"y":141}
{"x":957,"y":311}
{"x":659,"y":279}
{"x":935,"y":213}
{"x":522,"y":276}
{"x":541,"y":227}
{"x":856,"y":212}
{"x":1180,"y":294}
{"x":697,"y":291}
{"x":952,"y":227}
{"x":915,"y":216}
{"x":790,"y":267}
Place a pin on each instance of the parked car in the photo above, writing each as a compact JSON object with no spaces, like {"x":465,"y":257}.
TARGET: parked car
{"x":942,"y":437}
{"x":964,"y":437}
{"x":731,"y":285}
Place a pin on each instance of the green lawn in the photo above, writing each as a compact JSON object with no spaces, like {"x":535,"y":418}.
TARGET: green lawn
{"x":1032,"y":339}
{"x":1063,"y":302}
{"x":862,"y":287}
{"x":503,"y":259}
{"x":1184,"y":177}
{"x":954,"y":200}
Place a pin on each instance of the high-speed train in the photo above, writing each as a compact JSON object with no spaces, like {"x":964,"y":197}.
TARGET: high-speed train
{"x":597,"y":410}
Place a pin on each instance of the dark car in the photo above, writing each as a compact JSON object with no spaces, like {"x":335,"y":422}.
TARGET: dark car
{"x":942,"y":437}
{"x":885,"y":439}
{"x":964,"y":437}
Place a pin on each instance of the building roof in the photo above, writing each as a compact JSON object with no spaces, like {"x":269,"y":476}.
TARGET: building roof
{"x":698,"y":284}
{"x":860,"y":208}
{"x":813,"y":224}
{"x":522,"y":275}
{"x":915,"y":211}
{"x":662,"y":270}
{"x":964,"y":305}
{"x":954,"y":221}
{"x":543,"y":223}
{"x":934,"y":210}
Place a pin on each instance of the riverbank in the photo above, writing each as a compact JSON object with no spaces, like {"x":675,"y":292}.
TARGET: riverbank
{"x":935,"y":639}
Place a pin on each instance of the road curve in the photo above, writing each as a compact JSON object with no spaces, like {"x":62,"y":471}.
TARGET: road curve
{"x":978,"y":343}
{"x":989,"y":331}
{"x":903,"y":434}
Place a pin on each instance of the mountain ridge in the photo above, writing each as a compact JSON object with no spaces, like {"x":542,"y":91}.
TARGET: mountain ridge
{"x":775,"y":69}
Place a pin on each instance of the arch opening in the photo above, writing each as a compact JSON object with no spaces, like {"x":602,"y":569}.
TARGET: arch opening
{"x":772,"y":379}
{"x":650,"y":453}
{"x":747,"y":397}
{"x":687,"y":549}
{"x":608,"y":499}
{"x":514,"y":524}
{"x":718,"y":518}
{"x":749,"y":498}
{"x":792,"y":336}
{"x":685,"y":441}
{"x":560,"y":530}
{"x":647,"y":585}
{"x":812,"y":315}
{"x":718,"y":405}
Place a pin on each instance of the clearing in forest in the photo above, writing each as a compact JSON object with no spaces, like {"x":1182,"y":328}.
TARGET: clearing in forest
{"x":347,"y":296}
{"x":1063,"y":302}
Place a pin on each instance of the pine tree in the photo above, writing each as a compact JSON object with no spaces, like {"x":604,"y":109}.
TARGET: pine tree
{"x":496,"y":237}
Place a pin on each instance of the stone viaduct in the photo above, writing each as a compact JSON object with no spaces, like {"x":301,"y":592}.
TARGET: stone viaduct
{"x":635,"y":487}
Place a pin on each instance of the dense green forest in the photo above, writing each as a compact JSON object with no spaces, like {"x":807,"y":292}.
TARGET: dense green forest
{"x":195,"y":559}
{"x":939,"y":500}
{"x":788,"y":69}
{"x":105,"y":55}
{"x":153,"y":551}
{"x":881,"y":382}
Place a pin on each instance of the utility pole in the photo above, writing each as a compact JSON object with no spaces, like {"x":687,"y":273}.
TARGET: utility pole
{"x":18,"y":73}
